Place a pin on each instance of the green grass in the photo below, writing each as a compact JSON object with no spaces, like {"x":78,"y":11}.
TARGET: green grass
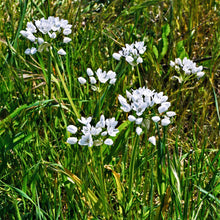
{"x":43,"y":177}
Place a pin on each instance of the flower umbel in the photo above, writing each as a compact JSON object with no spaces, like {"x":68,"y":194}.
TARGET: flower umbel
{"x":44,"y":31}
{"x":94,"y":135}
{"x":132,"y":53}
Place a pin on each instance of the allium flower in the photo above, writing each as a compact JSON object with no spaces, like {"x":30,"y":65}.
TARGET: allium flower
{"x":108,"y":141}
{"x":101,"y":76}
{"x":152,"y":140}
{"x":131,"y":118}
{"x":187,"y":66}
{"x":165,"y":121}
{"x":31,"y":51}
{"x":72,"y":140}
{"x":45,"y":31}
{"x":155,"y":118}
{"x":138,"y":131}
{"x":61,"y":52}
{"x":140,"y":101}
{"x":72,"y":129}
{"x":93,"y":135}
{"x":131,"y":53}
{"x":82,"y":80}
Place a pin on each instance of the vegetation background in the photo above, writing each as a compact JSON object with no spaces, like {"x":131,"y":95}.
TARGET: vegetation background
{"x":43,"y":177}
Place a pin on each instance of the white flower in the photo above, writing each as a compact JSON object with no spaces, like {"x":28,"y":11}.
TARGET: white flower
{"x":111,"y":124}
{"x":155,"y":118}
{"x":104,"y":133}
{"x":40,"y":40}
{"x":111,"y":74}
{"x":72,"y":129}
{"x":139,"y":60}
{"x":66,"y":40}
{"x":200,"y":74}
{"x":108,"y":141}
{"x":131,"y":118}
{"x":164,"y":107}
{"x":31,"y":28}
{"x":53,"y":35}
{"x":95,"y":131}
{"x":61,"y":52}
{"x":138,"y":130}
{"x":82,"y":80}
{"x":129,"y":59}
{"x":102,"y":76}
{"x":171,"y":114}
{"x":131,"y":53}
{"x":139,"y":121}
{"x":152,"y":140}
{"x":125,"y":106}
{"x":85,"y":121}
{"x":112,"y":81}
{"x":67,"y":31}
{"x":92,"y":80}
{"x":86,"y":140}
{"x":71,"y":140}
{"x":187,"y":66}
{"x":31,"y":37}
{"x":172,"y":64}
{"x":101,"y":122}
{"x":116,"y":56}
{"x":51,"y":27}
{"x":27,"y":51}
{"x":165,"y":121}
{"x":89,"y":72}
{"x":31,"y":51}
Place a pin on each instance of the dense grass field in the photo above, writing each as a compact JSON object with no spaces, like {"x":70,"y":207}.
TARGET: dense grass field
{"x":42,"y":176}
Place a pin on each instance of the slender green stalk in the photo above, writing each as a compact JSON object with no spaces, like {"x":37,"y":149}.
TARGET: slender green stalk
{"x":139,"y":76}
{"x":131,"y":167}
{"x":65,"y":87}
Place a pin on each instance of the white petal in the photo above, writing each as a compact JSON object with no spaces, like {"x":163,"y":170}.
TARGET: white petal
{"x":116,"y":56}
{"x":82,"y":80}
{"x":138,"y":130}
{"x":171,"y":114}
{"x":200,"y":74}
{"x":40,"y":40}
{"x":165,"y":121}
{"x":155,"y":118}
{"x":72,"y":129}
{"x":139,"y":121}
{"x":67,"y":31}
{"x":131,"y":118}
{"x":92,"y":80}
{"x":61,"y":52}
{"x":72,"y":140}
{"x":152,"y":140}
{"x":33,"y":50}
{"x":129,"y":59}
{"x":27,"y":51}
{"x":108,"y":141}
{"x":66,"y":40}
{"x":139,"y":60}
{"x":89,"y":72}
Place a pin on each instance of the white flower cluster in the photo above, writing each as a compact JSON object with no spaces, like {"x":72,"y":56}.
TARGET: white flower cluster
{"x":187,"y":66}
{"x":141,"y":99}
{"x":51,"y":27}
{"x":101,"y":76}
{"x":132,"y":53}
{"x":94,"y":135}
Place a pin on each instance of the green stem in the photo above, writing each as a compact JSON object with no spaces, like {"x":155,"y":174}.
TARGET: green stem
{"x":139,"y":77}
{"x":131,"y":168}
{"x":65,"y":87}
